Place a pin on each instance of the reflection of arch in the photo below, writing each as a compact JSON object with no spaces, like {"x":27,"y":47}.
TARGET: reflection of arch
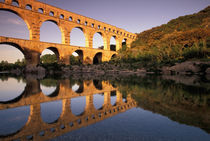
{"x":54,"y":50}
{"x":19,"y":112}
{"x":80,"y":89}
{"x":97,"y":58}
{"x":113,"y":95}
{"x":51,"y":111}
{"x":22,"y":17}
{"x":16,"y":99}
{"x":54,"y":93}
{"x":98,"y":84}
{"x":98,"y":101}
{"x":78,"y":105}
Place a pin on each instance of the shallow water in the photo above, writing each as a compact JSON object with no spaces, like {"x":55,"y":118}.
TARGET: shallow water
{"x":131,"y":108}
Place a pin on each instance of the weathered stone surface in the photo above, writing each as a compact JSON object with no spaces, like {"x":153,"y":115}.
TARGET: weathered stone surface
{"x":188,"y":67}
{"x":208,"y":71}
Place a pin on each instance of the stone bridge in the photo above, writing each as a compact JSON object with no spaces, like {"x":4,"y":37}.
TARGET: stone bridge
{"x":35,"y":13}
{"x":37,"y":129}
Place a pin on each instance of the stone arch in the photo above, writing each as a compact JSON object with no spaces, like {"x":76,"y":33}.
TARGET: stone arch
{"x":55,"y":51}
{"x":80,"y":55}
{"x":28,"y":7}
{"x":22,"y":17}
{"x":124,"y":43}
{"x":41,"y":10}
{"x":14,"y":45}
{"x":113,"y":43}
{"x":97,"y":58}
{"x":81,"y":42}
{"x":15,"y":3}
{"x":96,"y":43}
{"x":113,"y":56}
{"x":62,"y":32}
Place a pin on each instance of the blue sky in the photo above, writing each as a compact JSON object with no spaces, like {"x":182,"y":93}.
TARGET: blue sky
{"x":132,"y":15}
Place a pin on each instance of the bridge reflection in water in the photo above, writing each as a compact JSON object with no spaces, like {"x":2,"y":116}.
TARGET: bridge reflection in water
{"x":38,"y":129}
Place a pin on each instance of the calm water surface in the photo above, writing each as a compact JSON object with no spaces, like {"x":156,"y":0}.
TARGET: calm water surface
{"x":132,"y":109}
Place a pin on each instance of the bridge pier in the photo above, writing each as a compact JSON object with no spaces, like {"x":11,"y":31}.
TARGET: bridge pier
{"x":32,"y":58}
{"x":64,"y":60}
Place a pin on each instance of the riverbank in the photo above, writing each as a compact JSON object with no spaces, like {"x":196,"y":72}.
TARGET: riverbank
{"x":201,"y":68}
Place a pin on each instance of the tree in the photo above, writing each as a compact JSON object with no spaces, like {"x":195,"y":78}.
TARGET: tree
{"x":49,"y":58}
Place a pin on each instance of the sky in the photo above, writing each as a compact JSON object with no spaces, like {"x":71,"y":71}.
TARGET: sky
{"x":132,"y":15}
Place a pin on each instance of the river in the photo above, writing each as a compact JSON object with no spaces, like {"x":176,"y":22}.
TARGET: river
{"x":132,"y":108}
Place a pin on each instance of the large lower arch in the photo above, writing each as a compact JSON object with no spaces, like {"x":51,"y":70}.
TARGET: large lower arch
{"x":52,"y":50}
{"x":15,"y":21}
{"x":12,"y":58}
{"x":77,"y":57}
{"x":50,"y":31}
{"x":78,"y":37}
{"x":97,"y":58}
{"x":113,"y":56}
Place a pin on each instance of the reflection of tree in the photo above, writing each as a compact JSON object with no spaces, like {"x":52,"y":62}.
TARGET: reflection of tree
{"x":5,"y":77}
{"x":49,"y":82}
{"x":185,"y":104}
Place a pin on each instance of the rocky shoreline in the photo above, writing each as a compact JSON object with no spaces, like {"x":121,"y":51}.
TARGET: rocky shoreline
{"x":184,"y":68}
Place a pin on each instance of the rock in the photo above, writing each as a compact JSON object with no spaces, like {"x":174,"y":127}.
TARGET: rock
{"x":166,"y":70}
{"x":208,"y":71}
{"x":141,"y":70}
{"x":36,"y":70}
{"x":186,"y":67}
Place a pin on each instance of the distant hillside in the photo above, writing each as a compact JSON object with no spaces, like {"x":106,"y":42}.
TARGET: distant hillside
{"x":184,"y":30}
{"x":184,"y":37}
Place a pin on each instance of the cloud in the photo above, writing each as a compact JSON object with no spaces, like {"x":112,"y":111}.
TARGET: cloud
{"x":15,"y":21}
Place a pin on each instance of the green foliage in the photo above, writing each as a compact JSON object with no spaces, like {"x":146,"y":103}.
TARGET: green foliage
{"x":113,"y":47}
{"x":184,"y":38}
{"x":49,"y":82}
{"x":48,"y":59}
{"x":196,"y":51}
{"x":74,"y":60}
{"x":5,"y":66}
